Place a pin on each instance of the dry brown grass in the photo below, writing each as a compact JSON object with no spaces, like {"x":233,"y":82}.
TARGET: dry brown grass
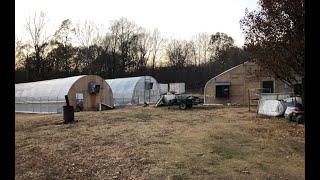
{"x":159,"y":143}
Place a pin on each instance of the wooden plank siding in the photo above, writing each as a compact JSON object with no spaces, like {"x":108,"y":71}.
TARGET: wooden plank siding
{"x":241,"y":78}
{"x":91,"y":101}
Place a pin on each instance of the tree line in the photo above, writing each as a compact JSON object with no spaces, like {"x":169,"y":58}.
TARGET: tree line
{"x":274,"y":39}
{"x":124,"y":50}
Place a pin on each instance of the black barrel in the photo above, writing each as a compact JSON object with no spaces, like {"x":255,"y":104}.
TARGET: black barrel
{"x":68,"y":114}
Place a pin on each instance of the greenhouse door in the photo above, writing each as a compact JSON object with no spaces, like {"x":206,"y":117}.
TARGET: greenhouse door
{"x":140,"y":96}
{"x":147,"y":95}
{"x":147,"y":88}
{"x":79,"y":101}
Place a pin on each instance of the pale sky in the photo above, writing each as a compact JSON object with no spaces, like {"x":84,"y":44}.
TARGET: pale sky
{"x":179,"y":19}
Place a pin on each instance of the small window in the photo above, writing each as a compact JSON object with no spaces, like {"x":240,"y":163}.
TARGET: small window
{"x":267,"y":86}
{"x":94,"y":88}
{"x":222,"y":89}
{"x":149,"y":85}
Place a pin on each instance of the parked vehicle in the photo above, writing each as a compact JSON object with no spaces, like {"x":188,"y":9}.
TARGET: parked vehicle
{"x":295,"y":111}
{"x":184,"y":101}
{"x":297,"y":115}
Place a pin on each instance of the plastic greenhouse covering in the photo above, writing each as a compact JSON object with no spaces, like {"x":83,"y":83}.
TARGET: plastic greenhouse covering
{"x":43,"y":96}
{"x":134,"y":90}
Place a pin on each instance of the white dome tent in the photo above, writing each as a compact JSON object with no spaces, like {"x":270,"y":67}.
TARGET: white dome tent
{"x":134,"y":90}
{"x":49,"y":96}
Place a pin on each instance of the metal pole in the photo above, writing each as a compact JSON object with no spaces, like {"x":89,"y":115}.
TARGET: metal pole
{"x":144,"y":90}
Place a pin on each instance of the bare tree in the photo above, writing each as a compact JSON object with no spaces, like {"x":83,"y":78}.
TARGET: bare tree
{"x":140,"y":48}
{"x":190,"y":52}
{"x":110,"y":44}
{"x":193,"y":53}
{"x":18,"y":53}
{"x":65,"y":31}
{"x":85,"y":33}
{"x":123,"y":36}
{"x":177,"y":52}
{"x":100,"y":35}
{"x":219,"y":42}
{"x":156,"y":44}
{"x":63,"y":36}
{"x":201,"y":42}
{"x":36,"y":28}
{"x":22,"y":52}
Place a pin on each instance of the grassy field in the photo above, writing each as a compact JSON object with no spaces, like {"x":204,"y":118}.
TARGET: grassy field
{"x":159,"y":143}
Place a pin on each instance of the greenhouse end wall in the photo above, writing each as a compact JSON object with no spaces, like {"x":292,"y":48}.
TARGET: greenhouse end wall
{"x":134,"y":90}
{"x":49,"y":96}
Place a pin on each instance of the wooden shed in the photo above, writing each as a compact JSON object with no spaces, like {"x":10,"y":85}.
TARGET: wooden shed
{"x":233,"y":86}
{"x":85,"y":92}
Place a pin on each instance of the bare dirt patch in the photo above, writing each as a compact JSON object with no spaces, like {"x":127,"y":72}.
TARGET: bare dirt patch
{"x":159,"y":143}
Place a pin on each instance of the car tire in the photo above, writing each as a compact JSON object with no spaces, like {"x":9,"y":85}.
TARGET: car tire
{"x":182,"y":105}
{"x":290,"y":116}
{"x":300,"y":119}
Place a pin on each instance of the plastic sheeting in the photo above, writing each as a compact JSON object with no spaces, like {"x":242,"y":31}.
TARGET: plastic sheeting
{"x":272,"y":108}
{"x":43,"y":96}
{"x":177,"y":88}
{"x":273,"y":96}
{"x":164,"y":88}
{"x":133,"y":90}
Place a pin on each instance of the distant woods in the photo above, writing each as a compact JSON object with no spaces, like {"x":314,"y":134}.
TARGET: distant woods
{"x":123,"y":50}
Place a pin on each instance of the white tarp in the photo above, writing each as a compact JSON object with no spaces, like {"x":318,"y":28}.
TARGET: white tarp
{"x":177,"y":88}
{"x":272,"y":108}
{"x":163,"y":88}
{"x":273,"y":96}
